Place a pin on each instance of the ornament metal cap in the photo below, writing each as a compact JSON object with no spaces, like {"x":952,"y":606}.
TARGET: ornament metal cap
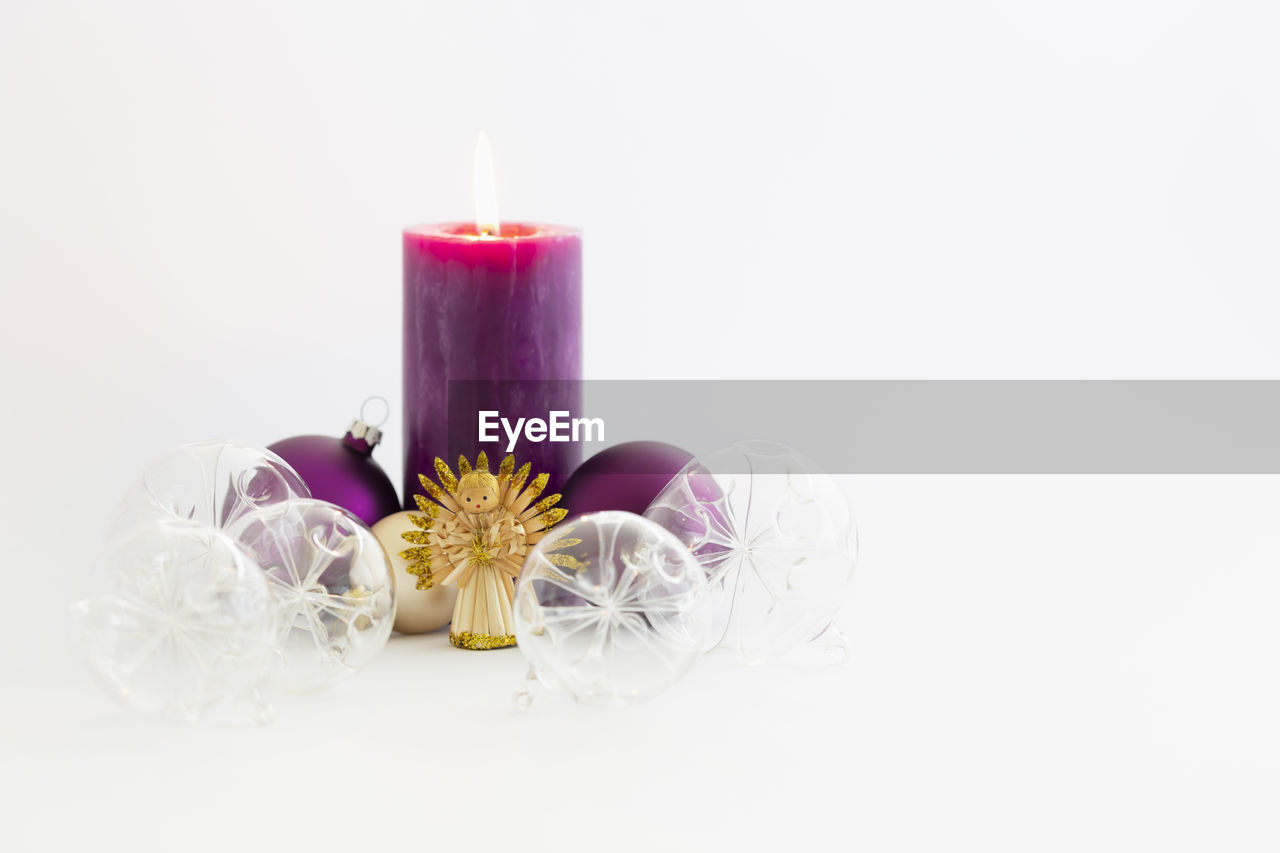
{"x":362,"y":436}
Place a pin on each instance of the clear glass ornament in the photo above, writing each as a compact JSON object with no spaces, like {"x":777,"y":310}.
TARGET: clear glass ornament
{"x":610,"y":607}
{"x":213,"y":482}
{"x":332,"y":584}
{"x":177,"y":617}
{"x":776,"y":539}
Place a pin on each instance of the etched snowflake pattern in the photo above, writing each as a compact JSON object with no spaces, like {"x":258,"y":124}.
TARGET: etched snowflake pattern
{"x":332,"y":585}
{"x":775,"y":538}
{"x":179,"y":619}
{"x":626,"y":622}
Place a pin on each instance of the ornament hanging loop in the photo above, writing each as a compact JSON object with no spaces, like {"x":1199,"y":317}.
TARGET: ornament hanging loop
{"x":386,"y":411}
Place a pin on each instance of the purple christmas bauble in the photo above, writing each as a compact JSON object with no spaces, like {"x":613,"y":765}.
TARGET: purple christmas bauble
{"x":342,"y":471}
{"x":623,"y":477}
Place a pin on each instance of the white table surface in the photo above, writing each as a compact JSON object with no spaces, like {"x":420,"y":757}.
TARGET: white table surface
{"x":1038,"y":663}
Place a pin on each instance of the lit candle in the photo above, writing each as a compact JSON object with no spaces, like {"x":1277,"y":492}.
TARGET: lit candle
{"x":497,"y":302}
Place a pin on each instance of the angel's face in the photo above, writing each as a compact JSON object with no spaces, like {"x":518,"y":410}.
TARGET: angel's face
{"x":478,"y":499}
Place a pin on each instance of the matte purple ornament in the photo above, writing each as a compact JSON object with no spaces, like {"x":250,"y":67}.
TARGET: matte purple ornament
{"x":623,"y":477}
{"x":342,"y":471}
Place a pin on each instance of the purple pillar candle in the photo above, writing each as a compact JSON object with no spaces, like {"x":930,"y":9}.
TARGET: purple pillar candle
{"x":499,"y":317}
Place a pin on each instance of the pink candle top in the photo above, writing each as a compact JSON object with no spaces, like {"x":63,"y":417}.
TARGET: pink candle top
{"x":518,"y":243}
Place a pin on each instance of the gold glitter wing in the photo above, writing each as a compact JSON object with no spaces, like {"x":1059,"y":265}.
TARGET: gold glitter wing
{"x":447,"y":479}
{"x":521,"y":503}
{"x":424,"y":556}
{"x":547,"y":520}
{"x":420,"y":557}
{"x":540,"y":507}
{"x":517,"y":483}
{"x":430,"y":512}
{"x":505,"y":470}
{"x":438,"y":494}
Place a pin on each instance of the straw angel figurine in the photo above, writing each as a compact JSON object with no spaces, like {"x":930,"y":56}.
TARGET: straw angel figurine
{"x":475,"y":533}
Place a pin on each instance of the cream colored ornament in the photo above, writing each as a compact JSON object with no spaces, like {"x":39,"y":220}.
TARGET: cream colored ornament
{"x":417,"y":610}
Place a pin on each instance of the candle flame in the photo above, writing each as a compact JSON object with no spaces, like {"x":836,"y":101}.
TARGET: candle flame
{"x":486,"y":192}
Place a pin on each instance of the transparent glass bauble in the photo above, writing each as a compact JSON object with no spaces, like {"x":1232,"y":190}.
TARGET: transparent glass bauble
{"x":213,"y":482}
{"x":611,"y":607}
{"x":332,"y":584}
{"x":177,"y":617}
{"x":776,"y":539}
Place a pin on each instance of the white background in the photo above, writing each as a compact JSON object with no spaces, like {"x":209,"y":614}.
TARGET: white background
{"x":200,"y":211}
